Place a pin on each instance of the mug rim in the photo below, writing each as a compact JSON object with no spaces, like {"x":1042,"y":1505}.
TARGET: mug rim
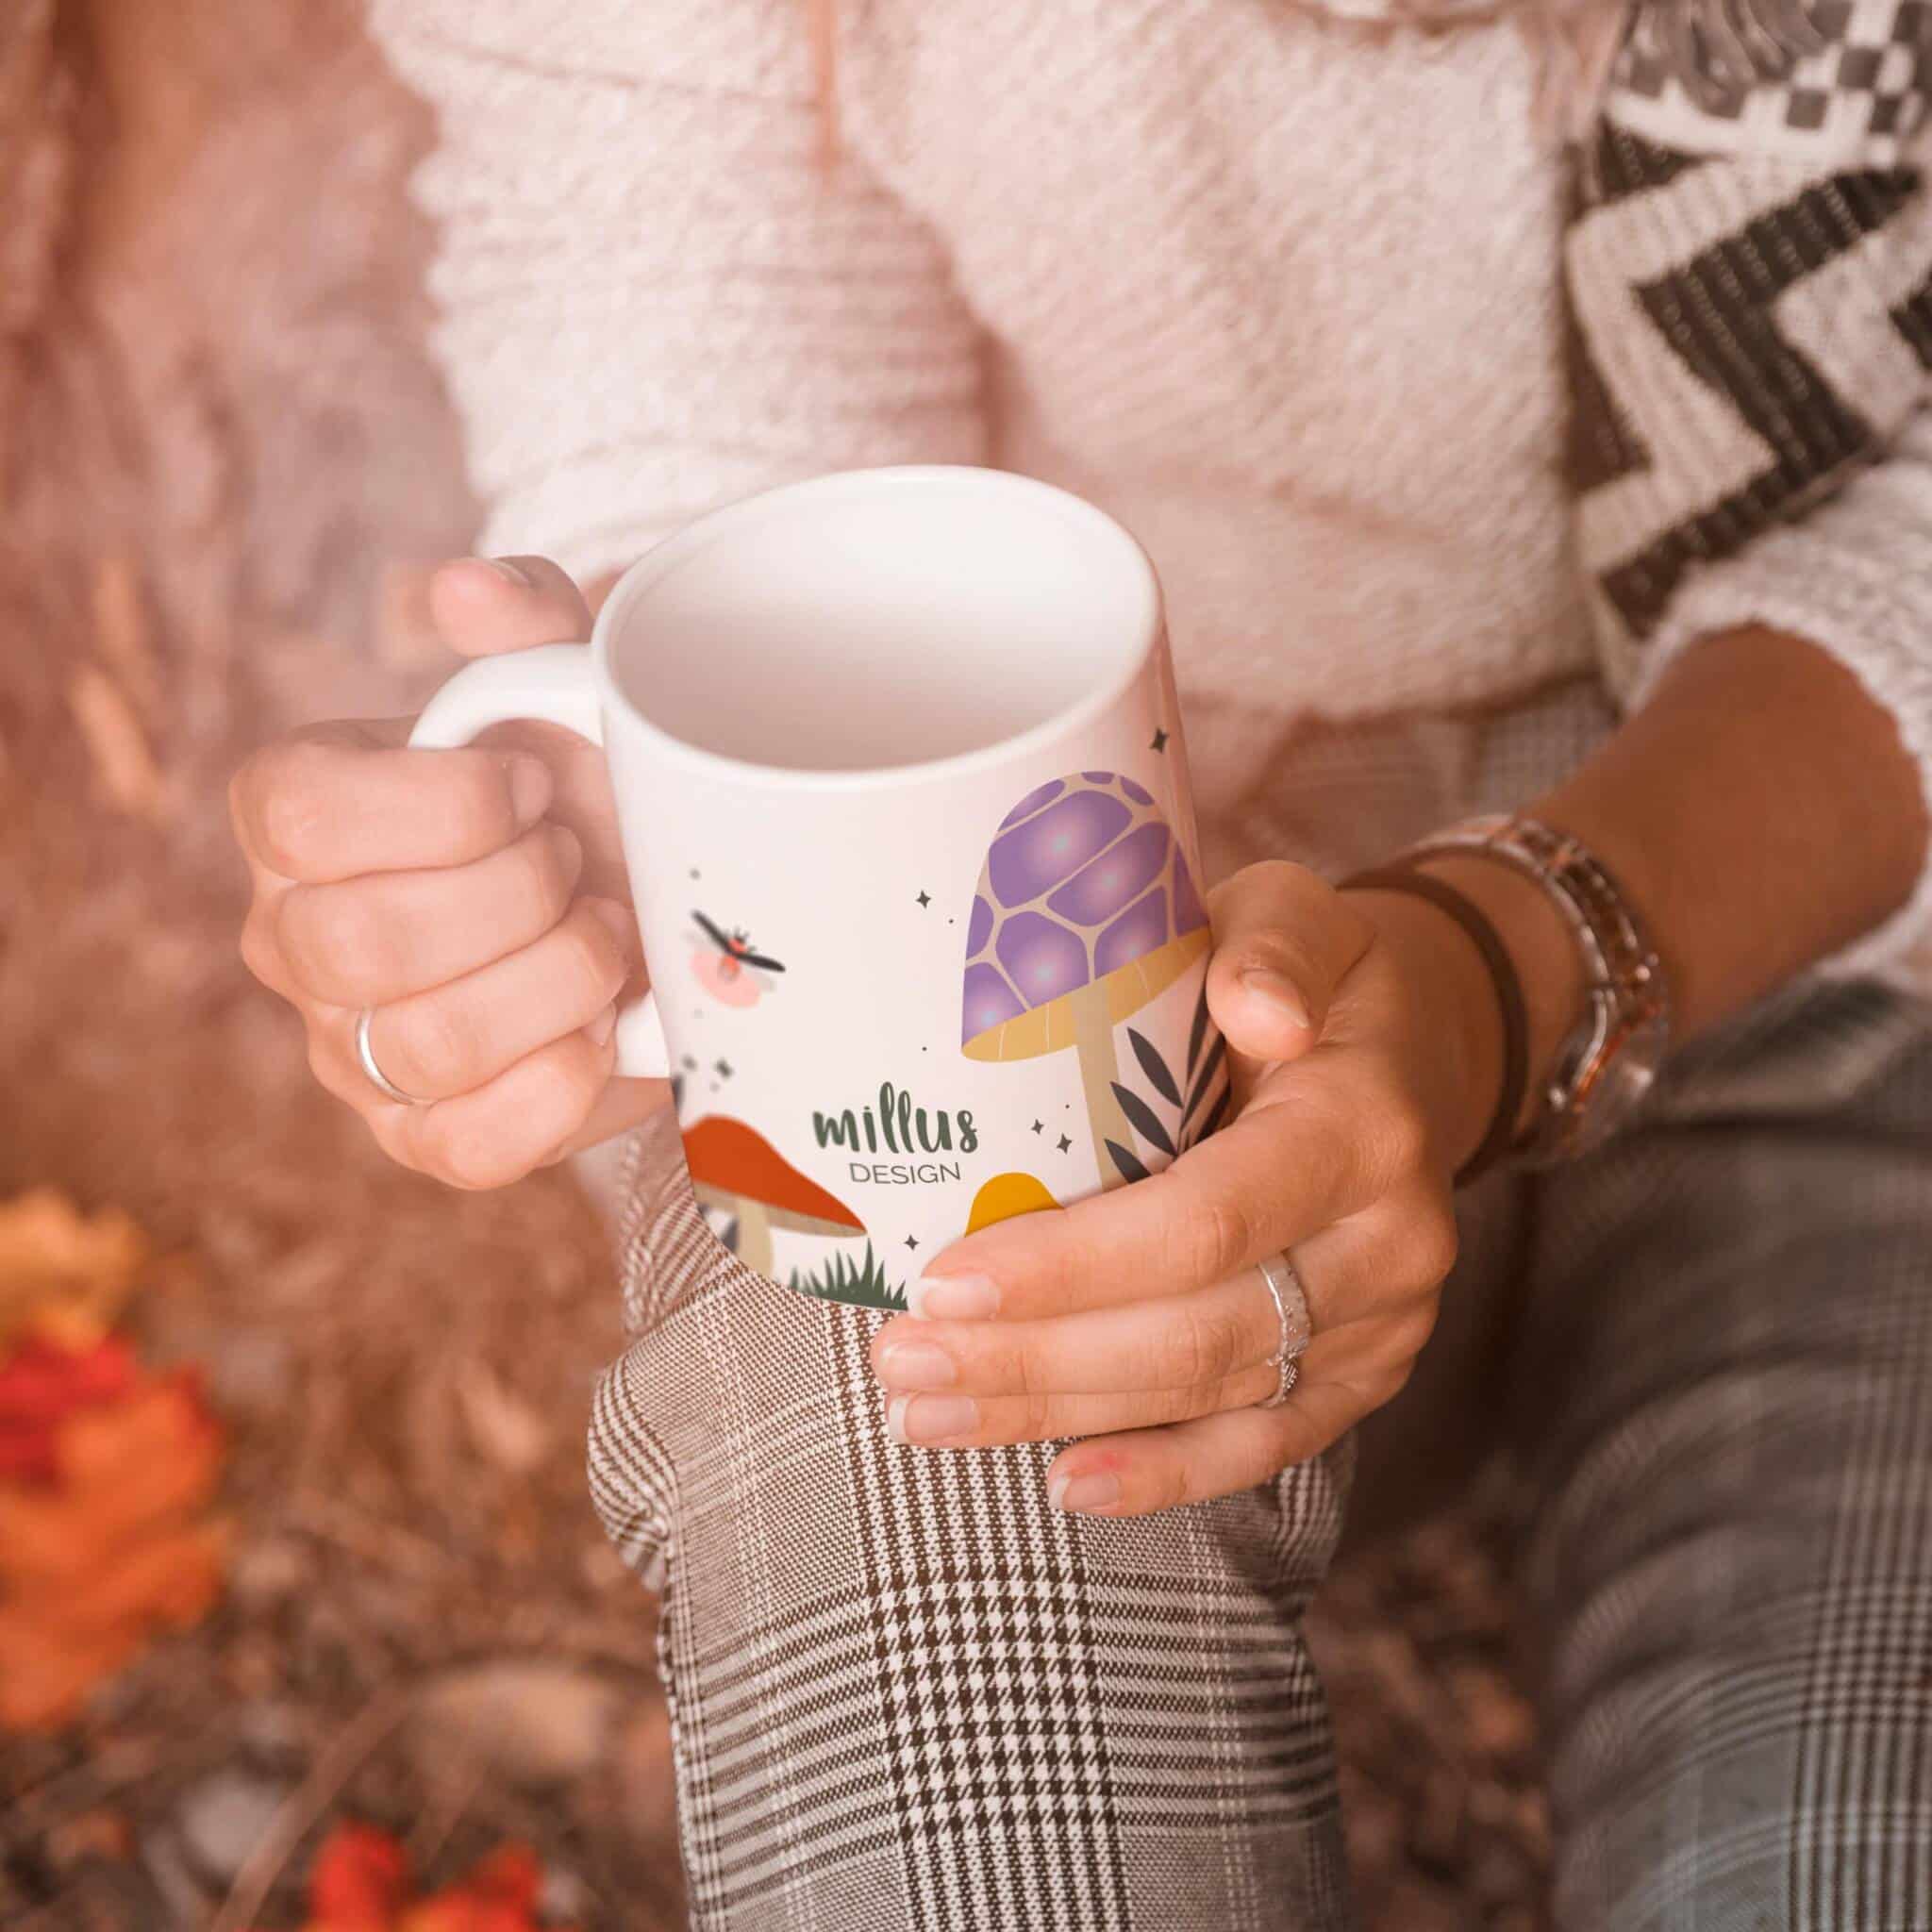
{"x":663,"y":555}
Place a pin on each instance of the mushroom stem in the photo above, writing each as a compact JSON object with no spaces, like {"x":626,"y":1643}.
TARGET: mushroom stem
{"x":753,"y":1235}
{"x":1099,"y":1069}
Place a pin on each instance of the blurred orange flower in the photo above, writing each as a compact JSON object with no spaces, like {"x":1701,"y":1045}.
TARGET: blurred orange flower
{"x":106,"y":1470}
{"x":360,"y":1883}
{"x":64,"y":1276}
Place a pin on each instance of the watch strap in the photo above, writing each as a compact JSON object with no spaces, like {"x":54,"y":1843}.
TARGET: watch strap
{"x":1625,"y":995}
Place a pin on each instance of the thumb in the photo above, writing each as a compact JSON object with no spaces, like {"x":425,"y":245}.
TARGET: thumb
{"x":485,"y":606}
{"x":1285,"y":940}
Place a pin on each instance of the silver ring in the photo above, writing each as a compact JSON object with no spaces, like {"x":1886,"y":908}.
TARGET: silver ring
{"x":1290,"y":1301}
{"x":378,"y":1078}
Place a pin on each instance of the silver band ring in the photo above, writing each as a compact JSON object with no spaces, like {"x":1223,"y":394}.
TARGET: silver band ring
{"x":378,"y":1078}
{"x":1290,"y":1301}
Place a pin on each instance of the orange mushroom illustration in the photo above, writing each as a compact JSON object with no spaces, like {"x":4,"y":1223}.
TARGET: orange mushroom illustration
{"x":737,"y":1171}
{"x":1085,"y":911}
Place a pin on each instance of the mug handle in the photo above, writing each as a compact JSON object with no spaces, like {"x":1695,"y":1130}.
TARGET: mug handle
{"x":555,"y":685}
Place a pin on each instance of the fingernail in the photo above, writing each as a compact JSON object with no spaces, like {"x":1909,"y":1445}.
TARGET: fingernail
{"x":1277,"y":992}
{"x":916,"y":1365}
{"x":1076,"y":1492}
{"x":930,"y":1418}
{"x":511,"y":572}
{"x":622,"y":921}
{"x":530,"y":790}
{"x":952,"y":1298}
{"x":601,"y":1028}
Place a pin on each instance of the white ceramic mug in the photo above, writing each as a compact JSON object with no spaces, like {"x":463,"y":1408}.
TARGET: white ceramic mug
{"x":899,"y":771}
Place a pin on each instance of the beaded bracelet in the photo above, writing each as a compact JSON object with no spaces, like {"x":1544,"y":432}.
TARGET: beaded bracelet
{"x":1399,"y":877}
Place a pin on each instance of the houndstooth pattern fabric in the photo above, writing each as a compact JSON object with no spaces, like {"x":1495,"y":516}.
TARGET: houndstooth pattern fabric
{"x":907,"y":1693}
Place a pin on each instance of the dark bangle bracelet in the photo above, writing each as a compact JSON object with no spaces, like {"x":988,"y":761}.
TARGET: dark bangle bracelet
{"x":1470,"y":918}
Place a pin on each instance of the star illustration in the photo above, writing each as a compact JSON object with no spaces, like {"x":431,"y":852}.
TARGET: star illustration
{"x":1159,"y":740}
{"x":924,"y":900}
{"x":911,"y":1241}
{"x":1039,"y":1126}
{"x":724,"y":1070}
{"x":1065,"y":1143}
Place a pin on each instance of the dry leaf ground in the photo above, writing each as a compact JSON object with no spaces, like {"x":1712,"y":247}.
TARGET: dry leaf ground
{"x":225,"y":461}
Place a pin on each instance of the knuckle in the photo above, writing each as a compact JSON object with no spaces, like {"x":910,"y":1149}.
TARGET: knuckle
{"x":431,"y":1047}
{"x":1272,"y":949}
{"x":1021,"y":1369}
{"x":1435,"y":1242}
{"x":1172,"y":1485}
{"x":471,"y":1159}
{"x":565,"y":1082}
{"x":548,"y":878}
{"x":477,"y":798}
{"x":1402,"y":1134}
{"x":259,"y":951}
{"x":1280,"y":879}
{"x":1036,"y":1415}
{"x":1399,"y":1339}
{"x":321,"y":1063}
{"x":334,"y":939}
{"x":330,"y":1076}
{"x":593,"y":958}
{"x":1411,"y":1333}
{"x":1387,"y":1387}
{"x":241,"y":783}
{"x":391,"y":1143}
{"x":1220,"y":1232}
{"x":1206,"y":1347}
{"x":286,"y":788}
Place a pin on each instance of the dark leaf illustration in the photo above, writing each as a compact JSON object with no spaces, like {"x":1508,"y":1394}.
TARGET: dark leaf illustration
{"x":1205,"y":1078}
{"x":1129,"y":1164}
{"x":1198,"y":1032}
{"x":1154,"y":1067}
{"x":1143,"y":1118}
{"x":1215,"y":1113}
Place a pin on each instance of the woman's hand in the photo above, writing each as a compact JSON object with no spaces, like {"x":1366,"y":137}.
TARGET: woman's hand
{"x":474,"y":899}
{"x":1365,"y":1038}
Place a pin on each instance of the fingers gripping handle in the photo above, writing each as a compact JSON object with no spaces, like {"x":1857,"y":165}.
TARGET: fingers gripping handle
{"x":553,"y":684}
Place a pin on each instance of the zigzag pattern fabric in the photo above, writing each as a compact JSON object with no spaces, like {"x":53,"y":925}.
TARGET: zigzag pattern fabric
{"x":1749,"y":272}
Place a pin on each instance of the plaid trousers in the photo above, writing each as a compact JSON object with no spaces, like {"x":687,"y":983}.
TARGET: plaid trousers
{"x":906,"y":1693}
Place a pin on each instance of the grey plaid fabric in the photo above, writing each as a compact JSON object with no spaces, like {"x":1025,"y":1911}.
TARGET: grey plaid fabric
{"x":1720,"y":1364}
{"x":907,"y":1693}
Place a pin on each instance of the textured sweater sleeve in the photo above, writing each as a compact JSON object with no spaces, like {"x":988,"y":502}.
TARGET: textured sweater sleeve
{"x":651,"y":295}
{"x":1749,"y":270}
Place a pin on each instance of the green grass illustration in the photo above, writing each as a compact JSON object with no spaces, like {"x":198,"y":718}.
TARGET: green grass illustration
{"x":842,"y":1279}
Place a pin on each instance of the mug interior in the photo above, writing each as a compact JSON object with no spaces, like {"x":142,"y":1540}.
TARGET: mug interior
{"x":882,"y":619}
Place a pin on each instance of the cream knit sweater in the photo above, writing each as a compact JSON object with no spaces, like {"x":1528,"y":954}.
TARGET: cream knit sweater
{"x":1283,"y":290}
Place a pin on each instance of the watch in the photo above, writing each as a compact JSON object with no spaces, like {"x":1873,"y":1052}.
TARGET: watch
{"x":1610,"y":1059}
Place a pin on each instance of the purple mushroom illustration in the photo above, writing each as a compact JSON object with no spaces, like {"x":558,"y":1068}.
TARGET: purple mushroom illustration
{"x":1085,"y":911}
